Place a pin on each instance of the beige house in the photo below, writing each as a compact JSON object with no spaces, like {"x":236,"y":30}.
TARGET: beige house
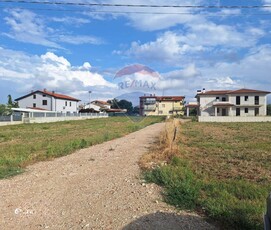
{"x":161,"y":105}
{"x":232,"y":103}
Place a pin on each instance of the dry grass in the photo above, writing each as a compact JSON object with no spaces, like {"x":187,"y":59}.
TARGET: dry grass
{"x":165,"y":148}
{"x":221,"y":169}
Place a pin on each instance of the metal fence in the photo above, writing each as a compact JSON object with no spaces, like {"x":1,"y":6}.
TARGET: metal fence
{"x":52,"y":114}
{"x":13,"y":117}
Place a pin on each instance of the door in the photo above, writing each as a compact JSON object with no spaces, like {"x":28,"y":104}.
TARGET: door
{"x":256,"y":111}
{"x":224,"y":112}
{"x":237,"y":111}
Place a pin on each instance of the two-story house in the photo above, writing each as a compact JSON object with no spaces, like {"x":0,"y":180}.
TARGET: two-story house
{"x":50,"y":101}
{"x":161,"y":105}
{"x":241,"y":102}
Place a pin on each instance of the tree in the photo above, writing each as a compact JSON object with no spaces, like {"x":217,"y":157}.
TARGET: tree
{"x":122,"y":104}
{"x":269,"y":110}
{"x":2,"y":109}
{"x":6,"y":109}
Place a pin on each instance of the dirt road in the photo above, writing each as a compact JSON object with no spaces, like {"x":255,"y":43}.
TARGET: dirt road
{"x":94,"y":188}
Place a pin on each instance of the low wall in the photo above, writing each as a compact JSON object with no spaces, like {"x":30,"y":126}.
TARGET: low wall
{"x":233,"y":119}
{"x":3,"y":123}
{"x":56,"y":119}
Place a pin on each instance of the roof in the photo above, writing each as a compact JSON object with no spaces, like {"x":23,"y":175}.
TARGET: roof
{"x":166,"y":98}
{"x":52,"y":94}
{"x":37,"y":108}
{"x":239,"y":91}
{"x":28,"y":110}
{"x":101,"y":102}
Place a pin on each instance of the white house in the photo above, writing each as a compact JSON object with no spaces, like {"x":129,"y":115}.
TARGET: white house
{"x":51,"y":101}
{"x":241,"y":102}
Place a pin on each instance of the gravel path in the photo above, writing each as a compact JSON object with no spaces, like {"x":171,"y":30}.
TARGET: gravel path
{"x":94,"y":188}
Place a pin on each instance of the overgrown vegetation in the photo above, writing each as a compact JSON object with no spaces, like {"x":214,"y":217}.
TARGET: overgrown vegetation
{"x":222,"y":170}
{"x":22,"y":145}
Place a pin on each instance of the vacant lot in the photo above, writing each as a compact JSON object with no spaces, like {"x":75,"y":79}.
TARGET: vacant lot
{"x":22,"y":145}
{"x":222,"y":170}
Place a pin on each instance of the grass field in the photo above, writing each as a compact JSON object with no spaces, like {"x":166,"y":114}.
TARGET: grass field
{"x":22,"y":145}
{"x":221,"y":170}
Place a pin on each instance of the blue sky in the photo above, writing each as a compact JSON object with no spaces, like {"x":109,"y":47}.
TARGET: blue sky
{"x":77,"y":49}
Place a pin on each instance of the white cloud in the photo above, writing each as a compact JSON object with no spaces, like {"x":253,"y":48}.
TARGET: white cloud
{"x":52,"y":72}
{"x":198,"y":39}
{"x":80,"y":39}
{"x":71,"y":20}
{"x":26,"y":26}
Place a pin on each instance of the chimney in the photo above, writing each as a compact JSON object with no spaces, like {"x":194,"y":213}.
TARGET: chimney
{"x":203,"y":90}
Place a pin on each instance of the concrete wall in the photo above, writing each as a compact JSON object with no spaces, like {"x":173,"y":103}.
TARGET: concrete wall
{"x":4,"y":123}
{"x":56,"y":119}
{"x":233,"y":119}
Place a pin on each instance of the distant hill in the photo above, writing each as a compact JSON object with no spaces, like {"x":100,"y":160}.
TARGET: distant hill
{"x":132,"y":97}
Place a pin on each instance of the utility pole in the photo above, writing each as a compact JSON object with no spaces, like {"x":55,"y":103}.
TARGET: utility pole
{"x":89,"y":92}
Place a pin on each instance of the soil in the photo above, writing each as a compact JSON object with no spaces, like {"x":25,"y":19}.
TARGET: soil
{"x":94,"y":188}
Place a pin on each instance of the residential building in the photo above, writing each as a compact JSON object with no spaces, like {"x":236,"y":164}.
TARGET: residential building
{"x":99,"y":106}
{"x":161,"y":105}
{"x":51,"y":101}
{"x":241,"y":102}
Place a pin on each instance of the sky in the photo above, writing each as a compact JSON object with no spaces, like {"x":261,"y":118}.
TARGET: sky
{"x":76,"y":49}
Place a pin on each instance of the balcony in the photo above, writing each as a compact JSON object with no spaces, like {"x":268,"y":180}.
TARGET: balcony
{"x":149,"y":107}
{"x":222,"y":103}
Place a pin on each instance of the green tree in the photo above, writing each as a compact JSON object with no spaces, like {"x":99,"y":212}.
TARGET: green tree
{"x":269,"y":110}
{"x":2,"y":109}
{"x":122,"y":104}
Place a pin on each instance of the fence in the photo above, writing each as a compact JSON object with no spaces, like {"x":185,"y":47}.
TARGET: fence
{"x":233,"y":119}
{"x":13,"y":117}
{"x":43,"y":117}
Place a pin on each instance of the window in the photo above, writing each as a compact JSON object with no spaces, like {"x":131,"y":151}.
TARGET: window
{"x":44,"y":102}
{"x":237,"y":111}
{"x":217,"y":98}
{"x":66,"y":103}
{"x":246,"y":110}
{"x":34,"y":96}
{"x":246,"y":98}
{"x":34,"y":105}
{"x":217,"y":110}
{"x":223,"y":98}
{"x":160,"y":111}
{"x":70,"y":103}
{"x":44,"y":95}
{"x":256,"y":100}
{"x":237,"y":100}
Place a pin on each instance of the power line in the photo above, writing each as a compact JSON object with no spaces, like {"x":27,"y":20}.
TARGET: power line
{"x":217,"y":14}
{"x":141,"y":5}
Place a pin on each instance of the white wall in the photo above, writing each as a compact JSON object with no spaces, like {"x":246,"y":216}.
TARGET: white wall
{"x":207,"y":109}
{"x":53,"y":104}
{"x":234,"y":119}
{"x":30,"y":101}
{"x":65,"y":106}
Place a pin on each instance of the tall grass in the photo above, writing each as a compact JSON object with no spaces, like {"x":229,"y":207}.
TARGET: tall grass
{"x":22,"y":145}
{"x":221,"y":170}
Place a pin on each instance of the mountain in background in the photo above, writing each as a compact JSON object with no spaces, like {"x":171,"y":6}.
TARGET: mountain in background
{"x":132,"y":97}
